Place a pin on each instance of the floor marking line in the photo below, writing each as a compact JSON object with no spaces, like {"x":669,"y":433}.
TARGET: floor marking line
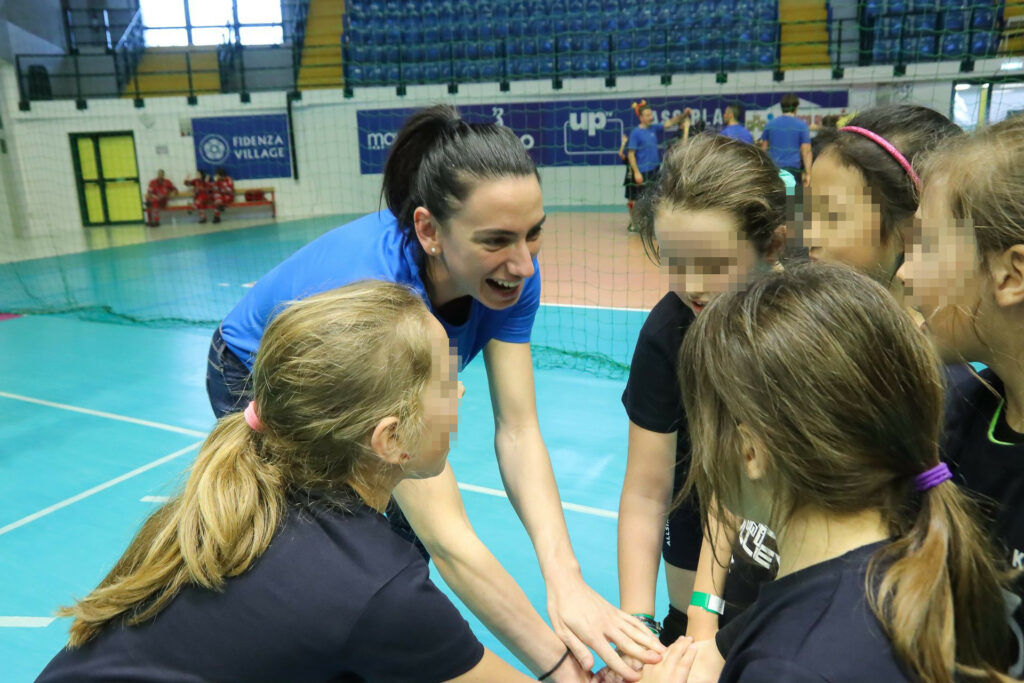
{"x":598,"y":308}
{"x":585,"y":509}
{"x":154,"y":499}
{"x":26,"y":622}
{"x":100,"y":413}
{"x":96,"y":489}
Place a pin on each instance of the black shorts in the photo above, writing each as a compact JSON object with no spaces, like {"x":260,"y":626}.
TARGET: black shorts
{"x":633,"y":191}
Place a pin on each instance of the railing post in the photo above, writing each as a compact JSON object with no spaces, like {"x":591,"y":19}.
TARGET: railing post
{"x":79,"y":100}
{"x":191,"y":84}
{"x":23,"y":103}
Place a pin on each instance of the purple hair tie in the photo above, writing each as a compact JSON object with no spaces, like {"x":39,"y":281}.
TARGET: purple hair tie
{"x":933,"y":477}
{"x":888,"y":147}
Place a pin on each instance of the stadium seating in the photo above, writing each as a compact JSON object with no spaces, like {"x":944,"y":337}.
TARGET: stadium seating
{"x":904,"y":31}
{"x":436,"y":41}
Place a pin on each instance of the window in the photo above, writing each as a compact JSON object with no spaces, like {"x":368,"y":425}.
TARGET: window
{"x":260,"y":12}
{"x":210,"y":22}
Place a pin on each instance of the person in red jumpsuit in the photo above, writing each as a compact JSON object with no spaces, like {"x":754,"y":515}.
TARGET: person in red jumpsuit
{"x":203,"y":192}
{"x":224,"y":192}
{"x":160,"y":188}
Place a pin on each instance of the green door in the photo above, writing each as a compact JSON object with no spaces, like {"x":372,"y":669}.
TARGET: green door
{"x":107,"y":175}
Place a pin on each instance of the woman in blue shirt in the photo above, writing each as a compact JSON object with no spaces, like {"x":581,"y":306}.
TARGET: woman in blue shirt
{"x":462,"y":228}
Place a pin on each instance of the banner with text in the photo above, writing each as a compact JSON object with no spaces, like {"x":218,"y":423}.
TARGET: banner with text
{"x":247,"y":147}
{"x":589,"y":132}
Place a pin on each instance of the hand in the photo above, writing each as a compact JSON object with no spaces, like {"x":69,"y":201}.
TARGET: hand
{"x":606,"y":675}
{"x":708,"y":663}
{"x":638,"y":177}
{"x":675,"y":666}
{"x":582,"y":619}
{"x":807,"y":178}
{"x":687,"y":113}
{"x":571,"y":672}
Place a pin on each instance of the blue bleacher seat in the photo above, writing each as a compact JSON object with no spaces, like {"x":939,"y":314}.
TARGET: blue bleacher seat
{"x":546,"y":66}
{"x":412,"y":73}
{"x":659,"y":62}
{"x":765,"y":57}
{"x":514,"y":47}
{"x":924,"y":23}
{"x":642,"y":40}
{"x":488,"y":49}
{"x":984,"y":43}
{"x":884,"y":51}
{"x":467,"y":71}
{"x":954,"y":45}
{"x":354,"y":74}
{"x":490,"y":69}
{"x":529,"y":46}
{"x":501,"y":28}
{"x":926,"y":48}
{"x":896,"y":7}
{"x":767,"y":32}
{"x":955,"y":20}
{"x":983,"y":17}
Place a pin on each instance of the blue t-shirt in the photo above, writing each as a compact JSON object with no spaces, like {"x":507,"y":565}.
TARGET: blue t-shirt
{"x":738,"y":132}
{"x":370,"y":248}
{"x":644,"y":141}
{"x":785,"y":134}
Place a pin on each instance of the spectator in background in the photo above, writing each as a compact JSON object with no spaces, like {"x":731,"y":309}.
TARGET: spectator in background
{"x":825,"y":134}
{"x":643,"y":154}
{"x":202,"y":194}
{"x":734,"y":128}
{"x":160,"y":188}
{"x":787,"y":140}
{"x":223,"y":192}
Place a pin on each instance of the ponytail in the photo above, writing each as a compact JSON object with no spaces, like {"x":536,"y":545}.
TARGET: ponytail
{"x":939,"y":592}
{"x":437,"y":158}
{"x":216,"y":528}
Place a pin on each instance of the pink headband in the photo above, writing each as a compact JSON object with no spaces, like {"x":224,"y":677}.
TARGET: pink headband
{"x":251,"y":418}
{"x":888,"y":147}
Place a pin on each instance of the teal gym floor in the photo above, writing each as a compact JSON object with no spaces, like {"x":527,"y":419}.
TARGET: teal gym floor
{"x":103,"y":405}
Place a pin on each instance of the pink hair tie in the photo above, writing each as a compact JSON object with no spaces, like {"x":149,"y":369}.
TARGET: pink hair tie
{"x":251,"y":418}
{"x":888,"y":147}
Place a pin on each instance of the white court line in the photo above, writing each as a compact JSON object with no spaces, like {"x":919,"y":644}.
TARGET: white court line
{"x":100,"y":413}
{"x":585,"y":509}
{"x":154,"y":499}
{"x":96,"y":489}
{"x":598,"y":308}
{"x":26,"y":622}
{"x":497,"y":493}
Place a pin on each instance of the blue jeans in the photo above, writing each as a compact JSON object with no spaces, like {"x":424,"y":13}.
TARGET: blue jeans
{"x":227,"y":386}
{"x":227,"y":379}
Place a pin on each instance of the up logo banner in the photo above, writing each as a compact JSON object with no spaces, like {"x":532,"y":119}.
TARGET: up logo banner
{"x":247,"y":147}
{"x":578,"y":132}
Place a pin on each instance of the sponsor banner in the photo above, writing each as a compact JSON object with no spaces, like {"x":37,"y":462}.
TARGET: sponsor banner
{"x":589,"y":132}
{"x":247,"y":147}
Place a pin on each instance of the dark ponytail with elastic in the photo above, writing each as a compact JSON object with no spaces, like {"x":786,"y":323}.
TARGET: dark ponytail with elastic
{"x":437,"y":159}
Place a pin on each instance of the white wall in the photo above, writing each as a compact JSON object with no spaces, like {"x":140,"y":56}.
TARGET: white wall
{"x":326,"y":132}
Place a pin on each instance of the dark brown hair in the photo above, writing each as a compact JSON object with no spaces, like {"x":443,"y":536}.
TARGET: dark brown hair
{"x":844,"y":393}
{"x":715,"y":172}
{"x":437,"y":160}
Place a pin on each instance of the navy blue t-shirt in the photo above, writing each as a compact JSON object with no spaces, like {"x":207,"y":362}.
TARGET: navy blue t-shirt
{"x":785,"y":134}
{"x":373,"y":247}
{"x":815,"y":625}
{"x":336,"y":597}
{"x":987,"y":458}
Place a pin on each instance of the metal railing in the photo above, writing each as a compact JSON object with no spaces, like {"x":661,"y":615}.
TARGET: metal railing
{"x":393,"y":61}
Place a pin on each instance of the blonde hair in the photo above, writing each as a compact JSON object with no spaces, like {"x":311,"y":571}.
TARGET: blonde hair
{"x":984,"y":175}
{"x":845,"y":393}
{"x":329,"y":368}
{"x":713,"y":172}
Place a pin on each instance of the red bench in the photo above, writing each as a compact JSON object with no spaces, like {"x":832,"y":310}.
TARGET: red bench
{"x":250,"y":196}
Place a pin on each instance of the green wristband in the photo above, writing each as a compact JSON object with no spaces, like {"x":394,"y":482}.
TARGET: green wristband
{"x":648,"y":621}
{"x":708,"y":602}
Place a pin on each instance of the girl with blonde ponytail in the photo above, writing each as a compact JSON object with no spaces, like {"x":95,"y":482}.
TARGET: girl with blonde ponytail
{"x":275,"y":563}
{"x":815,"y":407}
